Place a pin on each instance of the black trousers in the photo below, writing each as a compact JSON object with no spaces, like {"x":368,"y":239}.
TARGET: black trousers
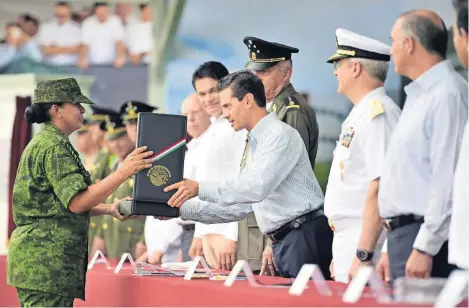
{"x":310,"y":243}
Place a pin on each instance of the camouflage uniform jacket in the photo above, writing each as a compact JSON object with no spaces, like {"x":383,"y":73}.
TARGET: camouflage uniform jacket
{"x":48,"y":249}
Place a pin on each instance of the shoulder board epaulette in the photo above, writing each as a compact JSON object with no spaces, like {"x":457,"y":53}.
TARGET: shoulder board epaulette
{"x":292,"y":105}
{"x":376,"y":109}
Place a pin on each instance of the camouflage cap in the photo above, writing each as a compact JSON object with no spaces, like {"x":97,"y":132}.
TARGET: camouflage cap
{"x":59,"y":91}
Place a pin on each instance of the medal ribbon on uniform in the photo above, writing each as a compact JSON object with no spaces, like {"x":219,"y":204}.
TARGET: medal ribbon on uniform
{"x":168,"y":150}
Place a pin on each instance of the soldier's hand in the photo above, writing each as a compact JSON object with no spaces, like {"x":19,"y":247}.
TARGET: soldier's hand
{"x":268,"y":266}
{"x":196,"y":248}
{"x":186,"y":190}
{"x":226,"y":255}
{"x":136,"y":161}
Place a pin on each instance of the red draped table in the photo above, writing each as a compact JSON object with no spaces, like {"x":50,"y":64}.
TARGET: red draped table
{"x":104,"y":288}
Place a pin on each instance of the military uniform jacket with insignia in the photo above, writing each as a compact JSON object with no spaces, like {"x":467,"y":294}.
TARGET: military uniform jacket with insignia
{"x":48,"y":249}
{"x":121,"y":236}
{"x":100,"y":169}
{"x":359,"y":154}
{"x":300,"y":115}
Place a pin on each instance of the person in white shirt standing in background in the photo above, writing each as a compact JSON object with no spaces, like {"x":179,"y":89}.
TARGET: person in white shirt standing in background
{"x":60,"y":38}
{"x":220,"y":157}
{"x":139,"y":36}
{"x":102,"y":39}
{"x":361,"y":66}
{"x":458,"y":246}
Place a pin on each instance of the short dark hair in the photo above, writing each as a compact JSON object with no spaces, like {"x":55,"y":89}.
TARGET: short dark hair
{"x":62,"y":3}
{"x":96,"y":4}
{"x":31,"y":19}
{"x":461,"y":20}
{"x":433,"y":37}
{"x":211,"y":69}
{"x":142,"y":6}
{"x":242,"y":83}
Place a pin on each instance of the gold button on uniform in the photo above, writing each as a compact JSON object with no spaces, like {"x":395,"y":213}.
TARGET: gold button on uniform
{"x":105,"y":226}
{"x":129,"y":229}
{"x":93,"y":225}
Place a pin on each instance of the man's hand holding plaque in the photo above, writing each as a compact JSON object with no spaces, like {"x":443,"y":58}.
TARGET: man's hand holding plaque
{"x":186,"y":190}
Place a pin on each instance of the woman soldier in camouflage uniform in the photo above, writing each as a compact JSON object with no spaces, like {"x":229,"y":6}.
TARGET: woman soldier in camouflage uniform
{"x":53,"y":199}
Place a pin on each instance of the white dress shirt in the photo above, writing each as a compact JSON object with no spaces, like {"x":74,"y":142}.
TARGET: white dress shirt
{"x":101,"y":38}
{"x":218,"y":159}
{"x":458,"y":242}
{"x":359,"y":155}
{"x":278,"y":182}
{"x":418,"y":174}
{"x":139,"y":38}
{"x":61,"y":35}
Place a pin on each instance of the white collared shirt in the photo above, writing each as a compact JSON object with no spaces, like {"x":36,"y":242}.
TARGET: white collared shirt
{"x":359,"y":154}
{"x":101,"y":38}
{"x":219,"y":159}
{"x":421,"y":158}
{"x":139,"y":38}
{"x":458,"y":249}
{"x":61,"y":35}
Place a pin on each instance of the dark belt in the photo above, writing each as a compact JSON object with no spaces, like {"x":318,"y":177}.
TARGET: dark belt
{"x":280,"y":233}
{"x":396,"y":222}
{"x":188,"y":227}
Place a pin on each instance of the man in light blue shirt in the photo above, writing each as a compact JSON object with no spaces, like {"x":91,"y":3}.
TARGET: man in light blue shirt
{"x":416,"y":183}
{"x":18,"y":45}
{"x":276,"y":182}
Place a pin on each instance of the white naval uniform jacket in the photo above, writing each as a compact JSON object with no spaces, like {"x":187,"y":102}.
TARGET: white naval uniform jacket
{"x":358,"y":160}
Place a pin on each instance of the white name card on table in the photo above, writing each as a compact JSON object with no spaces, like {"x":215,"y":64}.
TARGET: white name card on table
{"x":301,"y":281}
{"x":454,"y":291}
{"x":102,"y":259}
{"x":364,"y":275}
{"x":124,"y":257}
{"x":198,"y":260}
{"x":241,"y":265}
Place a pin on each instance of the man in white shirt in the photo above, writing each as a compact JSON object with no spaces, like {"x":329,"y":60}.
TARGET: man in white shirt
{"x":416,"y":183}
{"x":458,"y":247}
{"x":102,"y":39}
{"x":361,"y":66}
{"x":220,"y":157}
{"x":60,"y":38}
{"x":139,"y":37}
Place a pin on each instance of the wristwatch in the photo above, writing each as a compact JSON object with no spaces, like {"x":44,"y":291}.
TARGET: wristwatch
{"x":364,"y":255}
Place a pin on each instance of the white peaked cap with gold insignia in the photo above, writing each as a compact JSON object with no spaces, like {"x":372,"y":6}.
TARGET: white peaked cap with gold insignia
{"x":354,"y":45}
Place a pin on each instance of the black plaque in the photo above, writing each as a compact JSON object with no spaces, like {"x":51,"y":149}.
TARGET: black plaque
{"x":165,"y":135}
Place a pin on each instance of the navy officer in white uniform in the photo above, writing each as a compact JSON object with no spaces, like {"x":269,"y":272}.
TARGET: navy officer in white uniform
{"x":361,"y":66}
{"x":276,"y":182}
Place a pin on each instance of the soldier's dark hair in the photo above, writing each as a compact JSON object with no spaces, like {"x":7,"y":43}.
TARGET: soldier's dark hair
{"x":39,"y":113}
{"x":211,"y":69}
{"x":433,"y":37}
{"x":242,"y":83}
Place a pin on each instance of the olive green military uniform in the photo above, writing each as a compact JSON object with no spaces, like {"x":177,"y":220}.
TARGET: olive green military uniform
{"x":47,"y":256}
{"x":100,"y":169}
{"x":291,"y":108}
{"x":119,"y":236}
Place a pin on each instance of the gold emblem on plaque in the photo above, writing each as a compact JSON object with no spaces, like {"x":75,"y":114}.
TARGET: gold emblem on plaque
{"x":159,"y":175}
